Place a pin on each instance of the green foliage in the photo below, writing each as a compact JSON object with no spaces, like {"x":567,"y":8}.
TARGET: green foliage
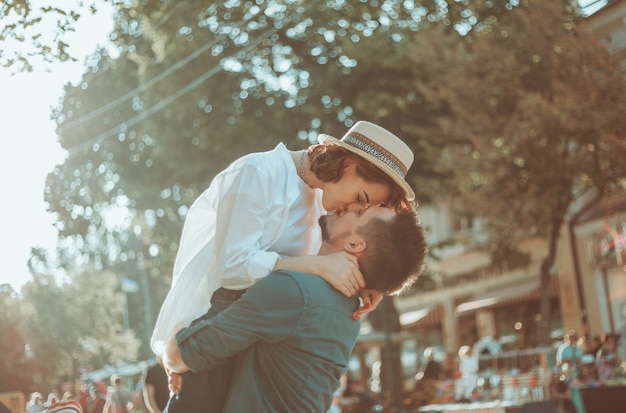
{"x":75,"y":324}
{"x":196,"y":87}
{"x":14,"y":362}
{"x":539,"y":104}
{"x":37,"y":32}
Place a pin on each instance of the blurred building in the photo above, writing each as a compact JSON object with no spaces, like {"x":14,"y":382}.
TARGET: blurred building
{"x":464,"y":299}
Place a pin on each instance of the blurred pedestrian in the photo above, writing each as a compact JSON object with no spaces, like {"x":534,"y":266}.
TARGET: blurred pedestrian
{"x":53,"y":398}
{"x":594,"y":345}
{"x":354,"y":399}
{"x":97,"y":398}
{"x":606,"y":357}
{"x":427,"y":380}
{"x":35,"y":404}
{"x":119,"y":398}
{"x":608,"y":349}
{"x":83,"y":396}
{"x":433,"y":369}
{"x":569,"y":355}
{"x":156,"y":392}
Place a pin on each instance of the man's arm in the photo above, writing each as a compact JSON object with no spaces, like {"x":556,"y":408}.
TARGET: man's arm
{"x":268,"y":311}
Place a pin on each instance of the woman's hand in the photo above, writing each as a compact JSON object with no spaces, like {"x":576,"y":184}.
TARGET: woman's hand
{"x":341,"y":270}
{"x":175,"y":382}
{"x":172,"y":359}
{"x":371,"y":299}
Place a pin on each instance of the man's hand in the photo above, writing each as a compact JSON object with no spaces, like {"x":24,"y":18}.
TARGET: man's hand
{"x":371,"y":299}
{"x":172,"y":360}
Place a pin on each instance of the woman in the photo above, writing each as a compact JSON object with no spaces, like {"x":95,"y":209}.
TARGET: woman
{"x":261,"y":213}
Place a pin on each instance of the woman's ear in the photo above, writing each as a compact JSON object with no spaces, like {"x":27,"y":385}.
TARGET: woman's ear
{"x":354,"y":247}
{"x":347,"y":162}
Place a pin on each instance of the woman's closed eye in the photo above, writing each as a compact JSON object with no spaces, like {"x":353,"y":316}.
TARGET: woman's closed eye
{"x":363,"y":200}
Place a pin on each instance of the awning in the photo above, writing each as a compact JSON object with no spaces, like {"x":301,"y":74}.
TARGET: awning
{"x":412,"y":317}
{"x":506,"y":295}
{"x":129,"y":369}
{"x":379,"y":338}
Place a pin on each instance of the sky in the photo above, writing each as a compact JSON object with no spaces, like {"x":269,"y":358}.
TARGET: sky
{"x":29,"y":149}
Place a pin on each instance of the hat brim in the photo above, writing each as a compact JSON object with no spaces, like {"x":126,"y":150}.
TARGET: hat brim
{"x":410,"y":195}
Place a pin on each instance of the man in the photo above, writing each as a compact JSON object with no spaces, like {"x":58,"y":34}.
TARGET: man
{"x":292,"y":332}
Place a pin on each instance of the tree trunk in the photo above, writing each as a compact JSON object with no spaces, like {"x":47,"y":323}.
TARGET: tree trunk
{"x":547,"y":272}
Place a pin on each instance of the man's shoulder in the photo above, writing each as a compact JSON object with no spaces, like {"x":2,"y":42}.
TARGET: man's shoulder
{"x":281,"y":284}
{"x":301,"y":279}
{"x":292,"y":282}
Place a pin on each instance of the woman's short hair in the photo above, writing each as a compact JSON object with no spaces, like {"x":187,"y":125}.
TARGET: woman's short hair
{"x":327,"y":163}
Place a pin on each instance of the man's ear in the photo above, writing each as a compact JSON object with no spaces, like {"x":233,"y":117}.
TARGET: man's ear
{"x":354,"y":247}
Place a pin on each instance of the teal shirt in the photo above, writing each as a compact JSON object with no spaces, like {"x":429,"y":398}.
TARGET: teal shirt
{"x":295,"y":335}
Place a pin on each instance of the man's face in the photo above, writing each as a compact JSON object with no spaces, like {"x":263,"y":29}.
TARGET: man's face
{"x":337,"y":228}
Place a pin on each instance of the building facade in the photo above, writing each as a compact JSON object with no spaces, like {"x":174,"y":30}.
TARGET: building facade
{"x":464,"y":299}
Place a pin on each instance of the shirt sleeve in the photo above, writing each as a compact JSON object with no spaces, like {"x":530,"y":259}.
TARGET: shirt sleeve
{"x":268,"y":311}
{"x":246,"y":194}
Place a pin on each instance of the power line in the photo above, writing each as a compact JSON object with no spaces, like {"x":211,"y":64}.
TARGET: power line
{"x":72,"y":123}
{"x":187,"y":88}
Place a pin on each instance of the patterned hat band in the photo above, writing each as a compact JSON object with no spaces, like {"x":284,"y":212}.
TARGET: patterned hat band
{"x":375,"y":150}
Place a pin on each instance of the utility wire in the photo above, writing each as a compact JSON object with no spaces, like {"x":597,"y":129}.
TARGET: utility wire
{"x":72,"y":123}
{"x":187,"y":88}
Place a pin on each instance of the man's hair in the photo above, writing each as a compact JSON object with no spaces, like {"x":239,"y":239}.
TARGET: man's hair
{"x":327,"y":162}
{"x":395,"y":252}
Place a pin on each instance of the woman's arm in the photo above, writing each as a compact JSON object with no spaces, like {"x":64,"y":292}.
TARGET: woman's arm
{"x":340,"y":269}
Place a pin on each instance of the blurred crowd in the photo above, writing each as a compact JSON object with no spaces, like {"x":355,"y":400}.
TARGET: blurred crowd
{"x":588,"y":359}
{"x":149,"y":396}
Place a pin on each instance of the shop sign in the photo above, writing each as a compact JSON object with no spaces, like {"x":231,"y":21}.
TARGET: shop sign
{"x":609,"y":247}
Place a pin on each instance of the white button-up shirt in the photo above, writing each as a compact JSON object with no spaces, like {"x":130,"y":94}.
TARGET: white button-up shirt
{"x":254,"y":212}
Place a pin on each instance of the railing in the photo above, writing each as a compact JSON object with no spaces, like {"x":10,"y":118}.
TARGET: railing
{"x":520,"y":360}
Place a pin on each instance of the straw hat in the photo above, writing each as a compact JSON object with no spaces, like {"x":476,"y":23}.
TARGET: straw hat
{"x":380,"y":147}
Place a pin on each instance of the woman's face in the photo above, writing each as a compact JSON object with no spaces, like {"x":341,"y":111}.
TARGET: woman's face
{"x":351,"y":189}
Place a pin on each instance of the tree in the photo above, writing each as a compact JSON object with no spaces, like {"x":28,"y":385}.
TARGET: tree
{"x":75,"y":324}
{"x":539,"y":103}
{"x":208,"y":83}
{"x":15,"y":363}
{"x":38,"y":32}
